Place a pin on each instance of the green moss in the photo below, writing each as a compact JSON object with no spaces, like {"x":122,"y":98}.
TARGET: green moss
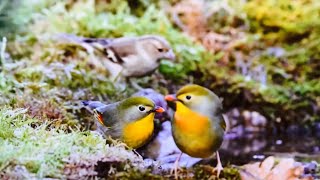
{"x":42,"y":151}
{"x":271,"y":63}
{"x":97,"y":23}
{"x":208,"y":172}
{"x":44,"y":68}
{"x":292,"y":18}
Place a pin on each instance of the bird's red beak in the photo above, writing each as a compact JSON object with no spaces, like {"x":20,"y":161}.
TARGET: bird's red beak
{"x":159,"y":109}
{"x":170,"y":97}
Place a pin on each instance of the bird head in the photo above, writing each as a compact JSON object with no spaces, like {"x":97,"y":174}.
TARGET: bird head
{"x":158,"y":99}
{"x":197,"y":98}
{"x":158,"y":47}
{"x":136,"y":108}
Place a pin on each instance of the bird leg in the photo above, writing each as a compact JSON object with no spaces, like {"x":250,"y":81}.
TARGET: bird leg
{"x":176,"y":166}
{"x":219,"y":167}
{"x":135,"y":152}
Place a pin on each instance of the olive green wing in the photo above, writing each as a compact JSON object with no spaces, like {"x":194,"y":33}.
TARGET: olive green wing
{"x":223,"y":123}
{"x":107,"y":115}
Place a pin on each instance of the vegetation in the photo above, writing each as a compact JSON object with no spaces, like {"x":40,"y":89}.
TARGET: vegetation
{"x":261,"y":62}
{"x":33,"y":149}
{"x":259,"y":55}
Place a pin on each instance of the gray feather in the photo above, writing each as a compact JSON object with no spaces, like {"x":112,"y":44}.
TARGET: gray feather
{"x":93,"y":104}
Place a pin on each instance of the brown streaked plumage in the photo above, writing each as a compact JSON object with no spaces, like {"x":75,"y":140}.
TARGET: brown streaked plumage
{"x":130,"y":56}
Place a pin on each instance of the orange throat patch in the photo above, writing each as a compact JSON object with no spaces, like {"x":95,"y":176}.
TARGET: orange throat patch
{"x":192,"y":132}
{"x":190,"y":122}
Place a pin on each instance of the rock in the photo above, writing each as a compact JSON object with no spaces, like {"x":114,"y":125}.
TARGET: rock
{"x":297,"y":129}
{"x":254,"y":121}
{"x":247,"y":121}
{"x":258,"y":119}
{"x":276,"y":51}
{"x":310,"y":168}
{"x":317,"y":129}
{"x":236,"y":126}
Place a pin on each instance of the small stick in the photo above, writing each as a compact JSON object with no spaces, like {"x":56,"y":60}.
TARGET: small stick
{"x":3,"y":50}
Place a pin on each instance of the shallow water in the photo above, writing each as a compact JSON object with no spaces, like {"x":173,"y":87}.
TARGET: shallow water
{"x":237,"y":149}
{"x":255,"y":147}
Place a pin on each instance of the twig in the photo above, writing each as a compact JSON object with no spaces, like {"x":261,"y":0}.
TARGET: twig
{"x":3,"y":50}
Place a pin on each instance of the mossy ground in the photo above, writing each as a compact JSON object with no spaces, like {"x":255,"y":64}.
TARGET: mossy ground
{"x":254,"y":56}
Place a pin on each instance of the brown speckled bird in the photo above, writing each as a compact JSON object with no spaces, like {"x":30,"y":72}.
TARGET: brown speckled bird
{"x":129,"y":56}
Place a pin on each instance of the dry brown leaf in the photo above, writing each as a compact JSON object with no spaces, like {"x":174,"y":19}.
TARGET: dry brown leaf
{"x":285,"y":169}
{"x":266,"y":166}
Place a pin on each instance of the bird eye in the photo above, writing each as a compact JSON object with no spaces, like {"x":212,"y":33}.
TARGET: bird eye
{"x":141,"y":108}
{"x":188,"y":97}
{"x":160,"y":50}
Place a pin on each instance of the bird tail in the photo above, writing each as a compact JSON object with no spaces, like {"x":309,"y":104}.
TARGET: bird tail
{"x":102,"y":41}
{"x":96,"y":106}
{"x":92,"y":104}
{"x":97,"y":43}
{"x":70,"y":38}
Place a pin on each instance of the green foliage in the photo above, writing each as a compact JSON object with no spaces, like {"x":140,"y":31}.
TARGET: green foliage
{"x":283,"y":19}
{"x":85,"y":19}
{"x":271,"y":63}
{"x":6,"y":24}
{"x":44,"y":151}
{"x":207,"y":172}
{"x":49,"y":75}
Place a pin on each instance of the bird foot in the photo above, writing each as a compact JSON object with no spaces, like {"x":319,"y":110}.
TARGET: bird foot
{"x":175,"y":171}
{"x":218,"y":169}
{"x":136,"y":153}
{"x":176,"y":167}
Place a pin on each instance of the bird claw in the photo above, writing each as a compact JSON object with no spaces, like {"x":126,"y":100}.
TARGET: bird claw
{"x":218,"y":168}
{"x":136,"y":153}
{"x":175,"y":171}
{"x":176,"y":167}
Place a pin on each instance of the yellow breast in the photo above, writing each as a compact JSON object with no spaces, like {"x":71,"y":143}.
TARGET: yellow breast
{"x":137,"y":133}
{"x":189,"y":121}
{"x":192,"y":132}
